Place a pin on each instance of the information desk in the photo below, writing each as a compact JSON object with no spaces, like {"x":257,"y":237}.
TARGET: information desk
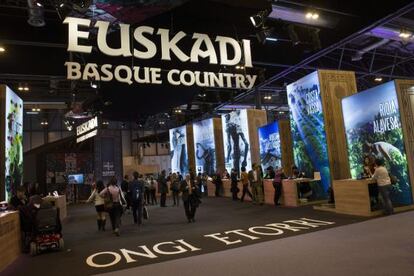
{"x":10,"y":238}
{"x":352,"y":196}
{"x":58,"y":202}
{"x":290,"y":192}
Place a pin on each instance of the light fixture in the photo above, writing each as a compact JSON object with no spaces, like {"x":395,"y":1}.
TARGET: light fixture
{"x":44,"y":123}
{"x":105,"y":123}
{"x":94,"y":85}
{"x":20,"y":88}
{"x":39,"y":4}
{"x":36,"y":109}
{"x":267,"y":97}
{"x":271,"y":39}
{"x":404,"y":34}
{"x":26,"y":88}
{"x":2,"y":49}
{"x":312,"y":15}
{"x":256,"y":20}
{"x":378,"y":79}
{"x":239,"y":67}
{"x":162,"y":123}
{"x":178,"y":111}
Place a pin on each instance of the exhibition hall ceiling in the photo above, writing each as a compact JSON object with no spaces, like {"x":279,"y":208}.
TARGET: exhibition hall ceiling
{"x":35,"y":56}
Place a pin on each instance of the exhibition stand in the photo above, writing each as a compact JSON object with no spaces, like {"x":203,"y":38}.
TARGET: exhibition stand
{"x":10,"y":238}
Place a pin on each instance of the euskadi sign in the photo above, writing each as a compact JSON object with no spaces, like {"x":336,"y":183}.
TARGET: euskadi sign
{"x":203,"y":47}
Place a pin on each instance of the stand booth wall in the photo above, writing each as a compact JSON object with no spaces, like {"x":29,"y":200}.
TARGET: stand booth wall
{"x":352,"y":196}
{"x":319,"y":142}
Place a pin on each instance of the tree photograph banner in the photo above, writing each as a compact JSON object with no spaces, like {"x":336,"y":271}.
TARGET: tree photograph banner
{"x":308,"y":128}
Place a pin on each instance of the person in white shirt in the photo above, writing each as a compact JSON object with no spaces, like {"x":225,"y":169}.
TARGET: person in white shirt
{"x":99,"y":204}
{"x":383,"y":179}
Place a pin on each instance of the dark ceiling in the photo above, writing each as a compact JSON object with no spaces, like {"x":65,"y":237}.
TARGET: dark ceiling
{"x":35,"y":55}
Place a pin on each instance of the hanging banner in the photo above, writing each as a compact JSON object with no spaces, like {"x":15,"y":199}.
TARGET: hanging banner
{"x":203,"y":48}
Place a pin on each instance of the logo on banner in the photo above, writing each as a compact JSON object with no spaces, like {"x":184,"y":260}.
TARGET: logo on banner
{"x":203,"y":47}
{"x":87,"y":130}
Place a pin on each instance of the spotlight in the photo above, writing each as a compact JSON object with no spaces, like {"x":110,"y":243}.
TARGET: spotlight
{"x":267,"y":97}
{"x":26,"y":88}
{"x":36,"y":13}
{"x":404,"y":34}
{"x":378,"y":79}
{"x":20,"y":88}
{"x":256,"y":20}
{"x":178,"y":111}
{"x":2,"y":49}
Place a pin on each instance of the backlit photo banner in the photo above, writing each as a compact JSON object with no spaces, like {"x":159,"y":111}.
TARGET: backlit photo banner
{"x":269,"y":140}
{"x":236,"y":140}
{"x":373,"y":130}
{"x":204,"y":147}
{"x":179,"y":151}
{"x":308,"y":128}
{"x":13,"y":143}
{"x":140,"y":43}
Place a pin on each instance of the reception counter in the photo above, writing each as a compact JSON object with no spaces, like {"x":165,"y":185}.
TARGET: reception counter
{"x":352,"y":196}
{"x":58,"y":202}
{"x":290,"y":192}
{"x":10,"y":238}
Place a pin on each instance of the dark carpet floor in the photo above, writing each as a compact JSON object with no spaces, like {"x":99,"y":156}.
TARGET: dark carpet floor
{"x":215,"y":215}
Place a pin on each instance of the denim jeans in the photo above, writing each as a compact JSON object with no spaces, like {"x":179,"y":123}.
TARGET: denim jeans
{"x":385,"y":194}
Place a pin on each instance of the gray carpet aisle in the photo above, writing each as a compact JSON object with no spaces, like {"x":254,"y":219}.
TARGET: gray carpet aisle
{"x":216,"y":215}
{"x":383,"y":246}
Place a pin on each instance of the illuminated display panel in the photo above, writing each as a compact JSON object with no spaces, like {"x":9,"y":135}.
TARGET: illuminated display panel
{"x":269,"y":140}
{"x":13,"y":143}
{"x":179,"y":151}
{"x":373,"y":130}
{"x":236,"y":140}
{"x":204,"y":147}
{"x":308,"y":128}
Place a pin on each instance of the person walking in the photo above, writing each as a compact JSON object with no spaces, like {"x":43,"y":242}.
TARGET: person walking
{"x":244,"y":178}
{"x":137,"y":187}
{"x":163,"y":188}
{"x":190,"y":197}
{"x":234,"y":181}
{"x":277,"y":185}
{"x":99,"y":204}
{"x":383,"y":179}
{"x":153,"y":190}
{"x":218,"y":184}
{"x":115,"y":196}
{"x":175,"y":188}
{"x":256,"y":183}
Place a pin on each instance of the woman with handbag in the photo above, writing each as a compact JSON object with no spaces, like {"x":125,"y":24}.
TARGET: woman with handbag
{"x":99,"y":204}
{"x":113,"y":199}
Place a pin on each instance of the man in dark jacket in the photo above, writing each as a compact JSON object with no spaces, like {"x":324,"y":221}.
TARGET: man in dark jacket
{"x":136,"y":187}
{"x":163,"y":188}
{"x":191,"y":197}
